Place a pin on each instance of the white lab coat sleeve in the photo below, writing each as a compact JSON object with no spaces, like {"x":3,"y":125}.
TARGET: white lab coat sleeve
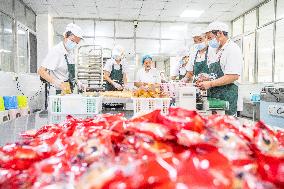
{"x":138,"y":76}
{"x":175,"y":70}
{"x":189,"y":67}
{"x":234,"y":60}
{"x":51,"y":60}
{"x":108,"y":66}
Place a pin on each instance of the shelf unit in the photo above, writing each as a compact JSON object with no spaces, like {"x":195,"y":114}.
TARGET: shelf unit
{"x":106,"y":56}
{"x":90,"y":65}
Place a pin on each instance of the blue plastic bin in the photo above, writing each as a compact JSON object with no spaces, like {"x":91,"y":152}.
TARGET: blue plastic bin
{"x":10,"y":102}
{"x":255,"y":98}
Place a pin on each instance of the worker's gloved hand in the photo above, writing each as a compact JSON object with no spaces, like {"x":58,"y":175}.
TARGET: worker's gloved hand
{"x":57,"y":84}
{"x":205,"y":85}
{"x":61,"y":85}
{"x":81,"y":86}
{"x":117,"y":86}
{"x":65,"y":88}
{"x":145,"y":87}
{"x":155,"y":86}
{"x":127,"y":87}
{"x":184,"y":80}
{"x":124,"y":87}
{"x":202,"y":77}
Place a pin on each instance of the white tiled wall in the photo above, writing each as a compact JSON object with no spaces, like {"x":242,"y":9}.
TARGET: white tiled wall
{"x":44,"y":36}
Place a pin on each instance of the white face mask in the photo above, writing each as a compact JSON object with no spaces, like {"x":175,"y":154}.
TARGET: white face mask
{"x":70,"y":45}
{"x":116,"y":57}
{"x":200,"y":46}
{"x":214,"y":43}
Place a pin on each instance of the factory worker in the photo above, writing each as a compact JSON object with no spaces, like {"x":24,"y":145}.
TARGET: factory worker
{"x":203,"y":54}
{"x":58,"y":67}
{"x":226,"y":67}
{"x":115,"y":70}
{"x":179,"y":70}
{"x":147,"y":74}
{"x":200,"y":56}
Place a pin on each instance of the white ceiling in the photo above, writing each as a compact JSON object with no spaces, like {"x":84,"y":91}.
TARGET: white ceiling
{"x":156,"y":10}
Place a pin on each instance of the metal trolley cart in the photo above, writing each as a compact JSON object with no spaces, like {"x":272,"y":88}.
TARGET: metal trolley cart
{"x":90,"y":66}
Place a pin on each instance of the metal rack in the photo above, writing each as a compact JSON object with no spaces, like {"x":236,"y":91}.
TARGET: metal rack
{"x":90,"y":65}
{"x":106,"y":56}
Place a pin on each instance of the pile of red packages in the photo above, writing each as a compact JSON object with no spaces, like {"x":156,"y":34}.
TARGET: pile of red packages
{"x":180,"y":150}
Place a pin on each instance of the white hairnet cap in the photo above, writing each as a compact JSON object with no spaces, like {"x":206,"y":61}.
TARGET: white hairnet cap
{"x":183,"y":52}
{"x":76,"y":30}
{"x":118,"y":51}
{"x":197,"y":32}
{"x":219,"y":26}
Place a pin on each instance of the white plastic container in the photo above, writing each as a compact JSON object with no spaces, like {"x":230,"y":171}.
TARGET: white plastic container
{"x":187,"y":98}
{"x":4,"y":116}
{"x":24,"y":111}
{"x":145,"y":105}
{"x":14,"y":113}
{"x":74,"y":104}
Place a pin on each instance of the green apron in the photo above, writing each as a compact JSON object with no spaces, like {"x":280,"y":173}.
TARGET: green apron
{"x":117,"y":76}
{"x":71,"y":75}
{"x":180,"y":76}
{"x":227,"y":92}
{"x":200,"y":67}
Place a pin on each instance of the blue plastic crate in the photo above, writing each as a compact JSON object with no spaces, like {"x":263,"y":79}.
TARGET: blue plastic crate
{"x":10,"y":102}
{"x":255,"y":98}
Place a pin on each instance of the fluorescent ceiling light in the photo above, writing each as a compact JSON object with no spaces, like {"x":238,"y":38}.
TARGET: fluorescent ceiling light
{"x":191,"y":13}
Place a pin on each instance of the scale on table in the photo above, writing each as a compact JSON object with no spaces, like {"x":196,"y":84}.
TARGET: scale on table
{"x":192,"y":98}
{"x":187,"y":97}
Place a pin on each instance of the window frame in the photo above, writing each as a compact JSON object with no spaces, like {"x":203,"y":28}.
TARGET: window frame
{"x":258,"y":27}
